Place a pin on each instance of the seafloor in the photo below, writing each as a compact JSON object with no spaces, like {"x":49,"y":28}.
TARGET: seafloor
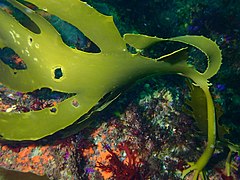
{"x":146,"y":133}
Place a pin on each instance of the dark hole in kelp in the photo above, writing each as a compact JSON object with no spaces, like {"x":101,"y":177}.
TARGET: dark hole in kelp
{"x":71,"y":35}
{"x":14,"y":101}
{"x":58,"y":73}
{"x":196,"y":57}
{"x":9,"y":57}
{"x":21,"y":17}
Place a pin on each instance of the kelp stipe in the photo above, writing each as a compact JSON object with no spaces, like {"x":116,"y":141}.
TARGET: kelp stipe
{"x":89,"y":76}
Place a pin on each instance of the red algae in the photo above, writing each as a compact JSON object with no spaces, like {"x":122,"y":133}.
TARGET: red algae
{"x":129,"y":169}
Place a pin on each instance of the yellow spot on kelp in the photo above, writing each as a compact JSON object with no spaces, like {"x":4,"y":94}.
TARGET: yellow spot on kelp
{"x":13,"y":36}
{"x":36,"y":45}
{"x":16,"y":34}
{"x":27,"y":51}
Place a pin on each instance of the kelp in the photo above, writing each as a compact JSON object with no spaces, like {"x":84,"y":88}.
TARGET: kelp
{"x":95,"y":79}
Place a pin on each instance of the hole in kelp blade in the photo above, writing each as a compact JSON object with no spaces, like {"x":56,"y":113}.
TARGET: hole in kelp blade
{"x":20,"y":16}
{"x":58,"y":73}
{"x":71,"y":35}
{"x":9,"y":57}
{"x":196,"y":57}
{"x":18,"y":102}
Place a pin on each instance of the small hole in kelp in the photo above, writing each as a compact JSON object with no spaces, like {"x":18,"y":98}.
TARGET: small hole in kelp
{"x":30,"y":41}
{"x":19,"y":102}
{"x":58,"y":73}
{"x":131,"y":49}
{"x":21,"y":17}
{"x":53,"y":110}
{"x":9,"y":57}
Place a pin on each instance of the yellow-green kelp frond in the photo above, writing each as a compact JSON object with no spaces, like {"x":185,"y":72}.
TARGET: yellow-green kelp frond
{"x":88,"y":75}
{"x":207,"y":46}
{"x":91,"y":77}
{"x":96,"y":26}
{"x":213,"y":54}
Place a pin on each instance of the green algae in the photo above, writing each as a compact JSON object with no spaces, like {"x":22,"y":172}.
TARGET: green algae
{"x":91,"y":76}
